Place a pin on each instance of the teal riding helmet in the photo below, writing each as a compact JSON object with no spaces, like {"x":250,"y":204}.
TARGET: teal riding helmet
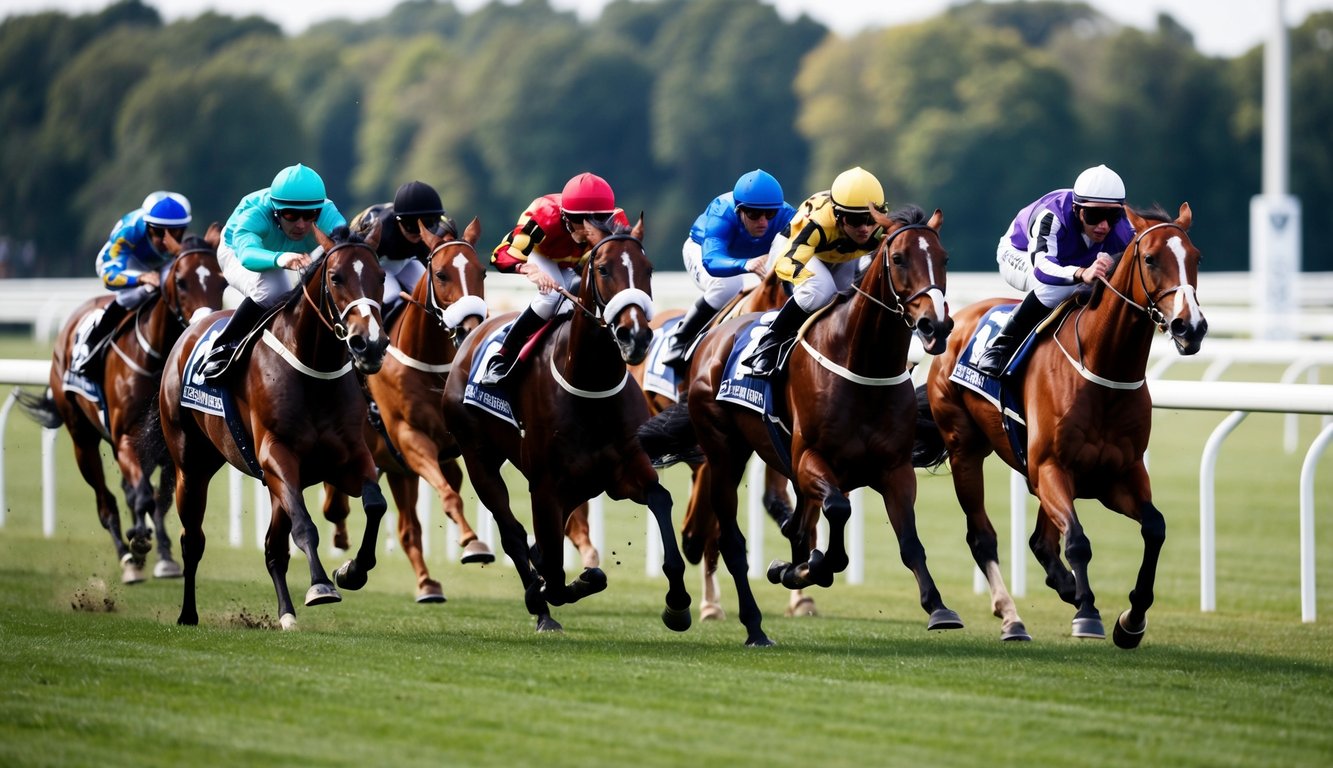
{"x":298,"y":187}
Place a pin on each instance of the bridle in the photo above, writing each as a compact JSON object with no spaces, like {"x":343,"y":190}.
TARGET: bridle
{"x":439,"y":312}
{"x":607,"y":308}
{"x":1153,"y":310}
{"x":899,"y":306}
{"x":332,"y":317}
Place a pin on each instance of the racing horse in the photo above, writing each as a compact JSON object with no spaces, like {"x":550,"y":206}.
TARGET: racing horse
{"x":1088,"y":415}
{"x":191,"y":287}
{"x":699,"y":530}
{"x":847,"y":398}
{"x":576,"y":413}
{"x":297,"y":419}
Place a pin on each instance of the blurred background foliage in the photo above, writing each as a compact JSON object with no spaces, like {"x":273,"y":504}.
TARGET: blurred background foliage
{"x":976,"y":111}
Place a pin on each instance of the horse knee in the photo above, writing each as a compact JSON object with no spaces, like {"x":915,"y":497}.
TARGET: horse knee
{"x":837,"y":510}
{"x":1153,"y":525}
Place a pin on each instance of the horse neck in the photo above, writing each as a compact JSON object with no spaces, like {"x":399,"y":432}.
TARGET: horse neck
{"x":418,"y":332}
{"x":878,"y":339}
{"x":591,"y":360}
{"x":159,"y":328}
{"x":1114,"y":337}
{"x":303,"y":329}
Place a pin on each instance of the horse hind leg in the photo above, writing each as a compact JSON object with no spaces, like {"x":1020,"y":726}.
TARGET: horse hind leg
{"x":579,"y":533}
{"x":969,"y":486}
{"x":166,"y":566}
{"x":87,"y":456}
{"x":336,"y":510}
{"x":475,"y":551}
{"x":404,"y":490}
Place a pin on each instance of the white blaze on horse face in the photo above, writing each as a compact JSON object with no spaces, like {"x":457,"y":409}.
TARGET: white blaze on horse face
{"x":629,"y":268}
{"x":1185,"y":298}
{"x":460,"y":263}
{"x":936,"y":296}
{"x":203,"y":273}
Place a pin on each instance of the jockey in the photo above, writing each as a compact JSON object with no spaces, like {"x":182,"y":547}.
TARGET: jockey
{"x":730,"y":238}
{"x":548,"y":243}
{"x":130,"y":263}
{"x":270,"y":232}
{"x":1055,"y":247}
{"x":830,"y":233}
{"x":402,"y":252}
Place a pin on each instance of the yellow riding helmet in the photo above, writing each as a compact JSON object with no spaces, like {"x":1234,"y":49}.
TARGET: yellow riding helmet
{"x":855,"y":190}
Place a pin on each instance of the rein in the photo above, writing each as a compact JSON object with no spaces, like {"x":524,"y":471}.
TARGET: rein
{"x":900,"y":304}
{"x":597,"y":316}
{"x":336,"y":325}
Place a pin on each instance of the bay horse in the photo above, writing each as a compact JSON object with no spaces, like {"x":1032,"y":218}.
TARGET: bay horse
{"x":1088,"y":415}
{"x":299,"y":413}
{"x":699,"y":531}
{"x":192,"y":286}
{"x":847,"y":398}
{"x":579,"y":411}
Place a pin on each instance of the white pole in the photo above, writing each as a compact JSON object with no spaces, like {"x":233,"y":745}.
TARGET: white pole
{"x":1018,"y":509}
{"x":1307,"y":523}
{"x":234,"y":512}
{"x":856,"y":533}
{"x":425,"y":500}
{"x":48,"y":482}
{"x":652,"y":561}
{"x":4,"y":422}
{"x":754,"y":535}
{"x":1208,"y":511}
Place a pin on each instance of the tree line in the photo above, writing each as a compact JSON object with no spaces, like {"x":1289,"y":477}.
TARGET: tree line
{"x":976,"y":111}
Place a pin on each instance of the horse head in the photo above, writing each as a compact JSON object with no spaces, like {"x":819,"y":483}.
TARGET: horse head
{"x":457,"y":294}
{"x":910,"y":264}
{"x":351,"y":289}
{"x":194,"y":283}
{"x":617,"y":281}
{"x":1160,"y":272}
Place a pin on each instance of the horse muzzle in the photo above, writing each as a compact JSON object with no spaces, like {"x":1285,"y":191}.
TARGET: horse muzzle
{"x":367,"y":355}
{"x":934,"y":334}
{"x":1187,"y":337}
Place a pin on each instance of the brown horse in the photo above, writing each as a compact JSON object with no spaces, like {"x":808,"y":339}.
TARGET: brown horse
{"x":578,"y":409}
{"x":299,"y":414}
{"x":1088,"y":416}
{"x":699,"y":531}
{"x":192,"y":285}
{"x":847,"y":400}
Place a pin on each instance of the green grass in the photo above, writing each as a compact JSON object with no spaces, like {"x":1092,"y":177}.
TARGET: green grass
{"x":379,"y":680}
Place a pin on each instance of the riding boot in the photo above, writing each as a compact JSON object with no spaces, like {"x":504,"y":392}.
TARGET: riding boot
{"x":242,"y":320}
{"x":502,"y":364}
{"x":1020,"y":324}
{"x":100,"y":336}
{"x":696,"y":319}
{"x":764,"y":362}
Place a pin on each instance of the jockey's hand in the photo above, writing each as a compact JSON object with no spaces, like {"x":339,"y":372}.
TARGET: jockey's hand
{"x":1097,"y":270}
{"x":758,"y":265}
{"x":151,"y":278}
{"x":293,"y":261}
{"x":544,"y":282}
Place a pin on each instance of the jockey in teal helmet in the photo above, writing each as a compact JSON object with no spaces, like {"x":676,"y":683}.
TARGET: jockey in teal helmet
{"x":269,"y":236}
{"x":731,"y":238}
{"x":131,"y":262}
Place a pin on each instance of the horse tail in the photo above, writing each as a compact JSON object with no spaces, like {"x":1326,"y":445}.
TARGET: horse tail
{"x":152,"y":442}
{"x":668,"y":438}
{"x":40,"y":408}
{"x":928,"y":451}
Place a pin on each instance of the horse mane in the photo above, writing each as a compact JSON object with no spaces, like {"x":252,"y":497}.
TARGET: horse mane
{"x":909,"y":214}
{"x":610,"y":226}
{"x":340,"y":236}
{"x":1154,"y":212}
{"x":193,"y":241}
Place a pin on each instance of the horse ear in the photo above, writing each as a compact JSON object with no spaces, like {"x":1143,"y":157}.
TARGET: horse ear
{"x":473,"y":232}
{"x":373,"y":242}
{"x":214,"y":235}
{"x":637,"y":232}
{"x":1186,"y":217}
{"x":322,"y":238}
{"x":936,"y":220}
{"x":428,"y":237}
{"x":1135,"y":220}
{"x":881,"y":218}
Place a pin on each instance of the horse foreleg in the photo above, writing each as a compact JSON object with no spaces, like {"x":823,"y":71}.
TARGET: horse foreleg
{"x":698,"y":531}
{"x":191,"y":499}
{"x":138,"y":489}
{"x":776,"y":501}
{"x":474,"y":549}
{"x":718,"y":487}
{"x":493,"y":494}
{"x":1132,"y":623}
{"x":969,"y":487}
{"x":290,"y":517}
{"x":404,"y":490}
{"x":898,"y":488}
{"x":676,"y":615}
{"x":579,"y":533}
{"x":816,"y":480}
{"x":710,"y":607}
{"x":354,"y":573}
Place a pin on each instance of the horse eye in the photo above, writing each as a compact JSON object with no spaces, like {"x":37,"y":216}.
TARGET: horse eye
{"x":442,"y":276}
{"x":603,"y":270}
{"x":336,"y":279}
{"x":899,"y":259}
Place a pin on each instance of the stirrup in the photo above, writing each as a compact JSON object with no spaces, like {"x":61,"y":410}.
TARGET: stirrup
{"x":217,"y":363}
{"x":495,"y":375}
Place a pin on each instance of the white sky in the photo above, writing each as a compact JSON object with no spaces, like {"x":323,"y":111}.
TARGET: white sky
{"x":1220,"y":27}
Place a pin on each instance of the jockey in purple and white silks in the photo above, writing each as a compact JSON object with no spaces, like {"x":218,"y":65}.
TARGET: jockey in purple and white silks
{"x":1057,"y":246}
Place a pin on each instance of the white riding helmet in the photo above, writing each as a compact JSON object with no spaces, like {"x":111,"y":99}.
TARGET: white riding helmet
{"x":1099,"y":186}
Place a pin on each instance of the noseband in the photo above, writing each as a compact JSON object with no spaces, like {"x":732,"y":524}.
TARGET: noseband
{"x":1153,"y":311}
{"x":900,"y":304}
{"x":332,"y":322}
{"x":611,"y":307}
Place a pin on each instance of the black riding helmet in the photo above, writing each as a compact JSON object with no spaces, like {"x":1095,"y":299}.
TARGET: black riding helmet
{"x":417,"y":198}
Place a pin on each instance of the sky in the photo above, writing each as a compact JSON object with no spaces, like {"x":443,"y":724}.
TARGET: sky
{"x":1220,"y":27}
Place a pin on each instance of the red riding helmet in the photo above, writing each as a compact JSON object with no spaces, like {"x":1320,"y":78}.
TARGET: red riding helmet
{"x":587,"y":193}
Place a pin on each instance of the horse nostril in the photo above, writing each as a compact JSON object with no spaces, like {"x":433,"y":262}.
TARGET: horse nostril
{"x":357,"y":343}
{"x":1179,"y":327}
{"x":925,"y":326}
{"x":624,"y":335}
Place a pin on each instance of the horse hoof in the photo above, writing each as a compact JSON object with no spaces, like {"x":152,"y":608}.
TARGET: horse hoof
{"x":287,"y":622}
{"x":349,"y":576}
{"x":131,"y":570}
{"x":711,"y":612}
{"x":676,"y":620}
{"x":943,"y":618}
{"x":759,"y":641}
{"x":777,"y":571}
{"x":167,"y":569}
{"x":431,"y":592}
{"x":477,"y":551}
{"x":805,"y":606}
{"x":692,"y":548}
{"x":321,"y":594}
{"x":1126,"y":637}
{"x":547,"y":624}
{"x":1089,"y":628}
{"x":1015,"y":632}
{"x":591,"y":557}
{"x":590,"y":582}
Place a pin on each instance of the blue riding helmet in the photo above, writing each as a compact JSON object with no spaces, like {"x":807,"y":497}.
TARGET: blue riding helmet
{"x":166,"y":209}
{"x":297,"y":186}
{"x":758,"y":189}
